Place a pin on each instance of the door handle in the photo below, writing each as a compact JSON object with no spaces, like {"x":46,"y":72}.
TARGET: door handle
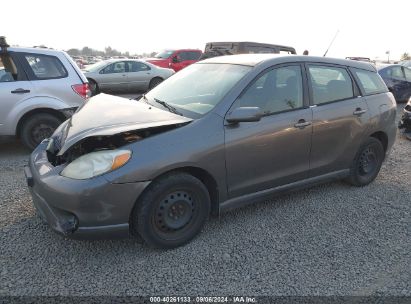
{"x":301,"y":124}
{"x":359,"y":111}
{"x":20,"y":91}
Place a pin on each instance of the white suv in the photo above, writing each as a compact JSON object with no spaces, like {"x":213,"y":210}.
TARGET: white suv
{"x":39,"y":89}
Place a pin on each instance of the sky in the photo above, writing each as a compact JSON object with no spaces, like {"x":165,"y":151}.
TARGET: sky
{"x":365,"y":28}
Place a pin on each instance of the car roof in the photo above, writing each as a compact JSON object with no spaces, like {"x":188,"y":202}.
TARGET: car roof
{"x":256,"y":59}
{"x":122,"y":59}
{"x":384,"y":66}
{"x":38,"y":50}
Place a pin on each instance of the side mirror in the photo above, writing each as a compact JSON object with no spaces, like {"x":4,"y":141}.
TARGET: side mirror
{"x":244,"y":114}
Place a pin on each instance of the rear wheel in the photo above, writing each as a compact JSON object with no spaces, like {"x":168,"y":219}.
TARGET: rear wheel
{"x":38,"y":127}
{"x":172,"y":211}
{"x":367,"y":163}
{"x":155,"y":82}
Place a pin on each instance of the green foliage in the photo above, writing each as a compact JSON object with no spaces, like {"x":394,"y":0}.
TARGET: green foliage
{"x":405,"y":56}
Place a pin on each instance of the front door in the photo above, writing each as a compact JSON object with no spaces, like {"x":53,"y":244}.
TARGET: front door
{"x":275,"y":150}
{"x":114,"y":77}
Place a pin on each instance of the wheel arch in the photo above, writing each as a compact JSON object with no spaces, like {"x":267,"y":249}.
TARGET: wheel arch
{"x":382,"y":137}
{"x":34,"y":112}
{"x":204,"y":176}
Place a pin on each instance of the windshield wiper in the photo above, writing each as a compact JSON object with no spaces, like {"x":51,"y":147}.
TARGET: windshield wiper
{"x":168,"y":106}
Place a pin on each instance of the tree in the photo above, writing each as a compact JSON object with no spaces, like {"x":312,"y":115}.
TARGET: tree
{"x":87,"y":51}
{"x":405,"y":56}
{"x":73,"y":52}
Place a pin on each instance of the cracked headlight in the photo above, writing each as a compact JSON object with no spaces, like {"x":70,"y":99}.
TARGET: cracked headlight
{"x":96,"y":163}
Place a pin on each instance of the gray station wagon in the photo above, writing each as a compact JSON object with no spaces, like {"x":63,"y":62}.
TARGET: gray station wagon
{"x":219,"y":134}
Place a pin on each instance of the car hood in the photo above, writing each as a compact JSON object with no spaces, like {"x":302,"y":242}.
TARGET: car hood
{"x":106,"y":115}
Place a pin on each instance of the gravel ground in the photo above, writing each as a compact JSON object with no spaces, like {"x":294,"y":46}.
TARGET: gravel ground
{"x":332,"y":239}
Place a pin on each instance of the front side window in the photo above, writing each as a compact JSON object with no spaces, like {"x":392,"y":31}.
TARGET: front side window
{"x":117,"y":67}
{"x":277,"y":90}
{"x":194,"y":55}
{"x":396,"y":72}
{"x":45,"y":66}
{"x":330,"y":84}
{"x":183,"y":56}
{"x":370,"y":82}
{"x":197,"y":89}
{"x":8,"y":70}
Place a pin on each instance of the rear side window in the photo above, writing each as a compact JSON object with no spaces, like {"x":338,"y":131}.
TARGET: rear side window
{"x":134,"y":66}
{"x":330,"y":84}
{"x":45,"y":66}
{"x":370,"y":82}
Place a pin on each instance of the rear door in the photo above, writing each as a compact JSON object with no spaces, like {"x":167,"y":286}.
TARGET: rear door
{"x":139,"y":75}
{"x":275,"y":150}
{"x":52,"y":76}
{"x":339,"y":118}
{"x":14,"y":89}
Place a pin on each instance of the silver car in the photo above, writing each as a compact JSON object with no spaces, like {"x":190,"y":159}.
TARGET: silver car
{"x":39,"y":89}
{"x":124,"y":75}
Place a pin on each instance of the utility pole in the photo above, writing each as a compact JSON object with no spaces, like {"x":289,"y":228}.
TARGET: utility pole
{"x":388,"y":53}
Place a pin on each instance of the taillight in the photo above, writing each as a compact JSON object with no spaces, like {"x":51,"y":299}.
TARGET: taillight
{"x":82,"y":89}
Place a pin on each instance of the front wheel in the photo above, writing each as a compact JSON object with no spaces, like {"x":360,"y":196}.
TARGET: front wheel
{"x":155,"y":82}
{"x":172,"y":211}
{"x":94,"y":89}
{"x":367,"y":163}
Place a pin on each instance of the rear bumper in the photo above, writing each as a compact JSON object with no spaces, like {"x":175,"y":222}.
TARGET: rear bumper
{"x":93,"y":208}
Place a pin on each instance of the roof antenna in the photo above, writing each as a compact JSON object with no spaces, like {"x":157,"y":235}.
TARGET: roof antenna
{"x":331,"y":43}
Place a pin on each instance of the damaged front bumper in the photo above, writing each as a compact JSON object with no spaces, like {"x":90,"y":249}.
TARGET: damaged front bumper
{"x":93,"y":208}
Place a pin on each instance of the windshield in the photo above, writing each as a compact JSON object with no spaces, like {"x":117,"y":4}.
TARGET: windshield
{"x":96,"y":66}
{"x":164,"y":54}
{"x":197,"y":89}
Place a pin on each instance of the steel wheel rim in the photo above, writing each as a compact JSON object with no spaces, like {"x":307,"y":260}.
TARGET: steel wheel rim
{"x":368,"y":162}
{"x":175,"y":213}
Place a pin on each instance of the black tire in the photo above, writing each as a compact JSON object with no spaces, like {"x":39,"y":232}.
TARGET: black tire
{"x":38,"y":127}
{"x":93,"y":86}
{"x":367,"y":163}
{"x":171,"y":212}
{"x":154,"y":82}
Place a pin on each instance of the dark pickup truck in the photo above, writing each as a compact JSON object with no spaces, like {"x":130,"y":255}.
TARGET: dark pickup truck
{"x":214,"y":49}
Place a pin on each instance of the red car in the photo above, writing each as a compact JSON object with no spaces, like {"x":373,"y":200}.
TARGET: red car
{"x":176,"y":59}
